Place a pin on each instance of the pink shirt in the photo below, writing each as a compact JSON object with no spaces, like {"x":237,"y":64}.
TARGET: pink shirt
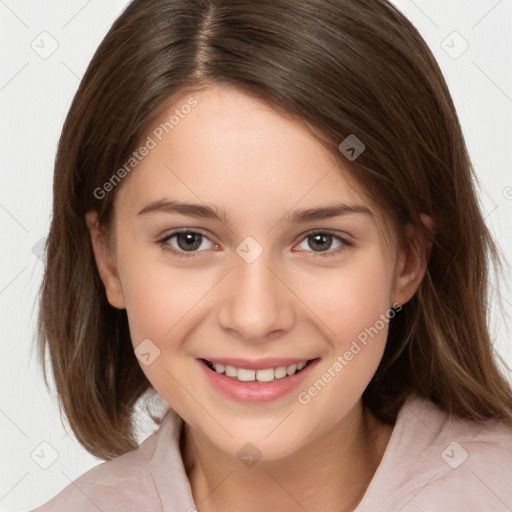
{"x":433,"y":463}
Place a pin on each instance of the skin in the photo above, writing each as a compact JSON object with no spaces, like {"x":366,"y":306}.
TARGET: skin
{"x":236,"y":154}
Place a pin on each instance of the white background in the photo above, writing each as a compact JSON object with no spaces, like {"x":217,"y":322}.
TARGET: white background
{"x":35,"y":94}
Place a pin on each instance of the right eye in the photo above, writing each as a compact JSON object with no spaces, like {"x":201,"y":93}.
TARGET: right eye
{"x":183,"y":241}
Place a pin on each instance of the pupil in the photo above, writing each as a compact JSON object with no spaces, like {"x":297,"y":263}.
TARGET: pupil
{"x":189,"y":241}
{"x":320,"y":242}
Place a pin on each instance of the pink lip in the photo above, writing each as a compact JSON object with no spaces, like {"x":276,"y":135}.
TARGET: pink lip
{"x":260,"y":364}
{"x":256,"y":392}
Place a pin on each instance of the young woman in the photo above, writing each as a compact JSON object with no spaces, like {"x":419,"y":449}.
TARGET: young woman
{"x":264,"y":212}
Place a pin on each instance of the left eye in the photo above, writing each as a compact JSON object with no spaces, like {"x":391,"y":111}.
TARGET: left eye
{"x":321,"y":242}
{"x":188,"y":241}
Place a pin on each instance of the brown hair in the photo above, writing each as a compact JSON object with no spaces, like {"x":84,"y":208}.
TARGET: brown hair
{"x":340,"y":66}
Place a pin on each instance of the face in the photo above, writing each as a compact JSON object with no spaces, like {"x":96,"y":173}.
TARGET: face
{"x":239,"y":241}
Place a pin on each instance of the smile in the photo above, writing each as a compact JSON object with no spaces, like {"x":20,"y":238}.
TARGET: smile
{"x":256,"y":381}
{"x":257,"y":375}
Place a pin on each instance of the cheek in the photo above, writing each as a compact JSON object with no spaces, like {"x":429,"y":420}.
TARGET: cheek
{"x":162,"y":304}
{"x":159,"y":296}
{"x":351,"y":298}
{"x":355,"y":317}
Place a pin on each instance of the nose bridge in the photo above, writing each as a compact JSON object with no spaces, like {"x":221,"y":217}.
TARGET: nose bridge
{"x":256,"y":303}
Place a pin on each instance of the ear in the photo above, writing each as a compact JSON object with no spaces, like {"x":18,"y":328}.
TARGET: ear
{"x":105,"y":261}
{"x":412,"y":260}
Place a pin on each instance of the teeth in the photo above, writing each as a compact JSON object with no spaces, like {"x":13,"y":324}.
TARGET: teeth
{"x":291,"y":369}
{"x":280,"y":372}
{"x":266,"y":375}
{"x":230,"y":371}
{"x":219,"y":368}
{"x":245,"y":375}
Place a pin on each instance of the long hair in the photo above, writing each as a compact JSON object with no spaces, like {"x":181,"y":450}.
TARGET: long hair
{"x":341,"y":67}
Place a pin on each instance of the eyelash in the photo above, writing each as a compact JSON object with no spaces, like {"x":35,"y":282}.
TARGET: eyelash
{"x":163,"y":243}
{"x":180,"y":254}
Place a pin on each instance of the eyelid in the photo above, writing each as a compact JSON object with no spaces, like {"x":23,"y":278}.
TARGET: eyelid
{"x":162,"y":242}
{"x":325,"y":231}
{"x":177,"y":231}
{"x":344,"y":241}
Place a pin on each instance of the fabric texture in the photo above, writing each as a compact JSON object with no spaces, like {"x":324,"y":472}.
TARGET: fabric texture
{"x":433,"y":462}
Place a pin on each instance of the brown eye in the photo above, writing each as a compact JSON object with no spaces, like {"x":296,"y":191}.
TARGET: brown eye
{"x":189,"y":241}
{"x":320,"y":242}
{"x":323,"y":243}
{"x":185,"y":241}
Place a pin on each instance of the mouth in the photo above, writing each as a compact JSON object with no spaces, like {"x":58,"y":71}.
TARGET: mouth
{"x":262,"y":373}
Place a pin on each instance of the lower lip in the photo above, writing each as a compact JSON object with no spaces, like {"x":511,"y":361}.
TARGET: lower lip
{"x":256,"y":392}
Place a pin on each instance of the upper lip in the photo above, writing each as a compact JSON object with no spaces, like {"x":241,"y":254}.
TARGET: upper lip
{"x":259,"y":364}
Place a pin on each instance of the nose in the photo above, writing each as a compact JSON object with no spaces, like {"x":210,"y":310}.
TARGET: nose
{"x":256,"y":305}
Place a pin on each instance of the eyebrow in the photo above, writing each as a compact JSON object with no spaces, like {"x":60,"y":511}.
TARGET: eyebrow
{"x":193,"y":210}
{"x":293,"y":217}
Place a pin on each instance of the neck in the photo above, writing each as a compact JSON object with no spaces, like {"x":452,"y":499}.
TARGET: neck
{"x":331,"y":473}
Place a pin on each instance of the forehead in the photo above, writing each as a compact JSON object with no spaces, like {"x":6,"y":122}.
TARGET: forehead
{"x":238,"y":154}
